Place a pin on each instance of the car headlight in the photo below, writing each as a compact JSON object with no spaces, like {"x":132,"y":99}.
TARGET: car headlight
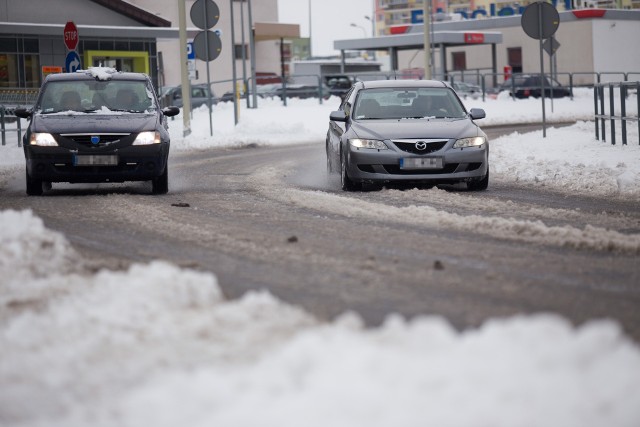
{"x":147,"y":138}
{"x":42,"y":139}
{"x":368,"y":143}
{"x":475,"y":141}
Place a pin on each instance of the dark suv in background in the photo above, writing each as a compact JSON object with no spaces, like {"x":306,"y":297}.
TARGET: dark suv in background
{"x":523,"y":86}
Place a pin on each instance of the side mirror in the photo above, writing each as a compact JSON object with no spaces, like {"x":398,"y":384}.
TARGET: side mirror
{"x":170,"y":111}
{"x":477,"y":113}
{"x":23,"y":113}
{"x":338,"y":116}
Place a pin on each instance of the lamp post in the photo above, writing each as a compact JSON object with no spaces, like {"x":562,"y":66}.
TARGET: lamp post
{"x":364,"y":32}
{"x":373,"y":31}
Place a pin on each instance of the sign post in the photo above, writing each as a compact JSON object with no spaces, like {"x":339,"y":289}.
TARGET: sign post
{"x":207,"y":44}
{"x":72,"y":61}
{"x":540,"y":21}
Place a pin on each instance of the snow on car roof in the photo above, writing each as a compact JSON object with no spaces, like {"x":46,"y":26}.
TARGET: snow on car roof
{"x":100,"y":73}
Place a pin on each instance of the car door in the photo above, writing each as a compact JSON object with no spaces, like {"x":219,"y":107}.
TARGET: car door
{"x":337,"y":129}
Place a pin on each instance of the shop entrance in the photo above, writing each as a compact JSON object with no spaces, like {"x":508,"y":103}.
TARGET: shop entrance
{"x":137,"y":62}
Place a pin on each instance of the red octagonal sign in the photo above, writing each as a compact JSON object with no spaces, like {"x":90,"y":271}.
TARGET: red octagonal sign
{"x":70,"y":35}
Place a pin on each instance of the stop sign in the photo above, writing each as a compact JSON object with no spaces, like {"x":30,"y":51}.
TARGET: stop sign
{"x":70,"y":35}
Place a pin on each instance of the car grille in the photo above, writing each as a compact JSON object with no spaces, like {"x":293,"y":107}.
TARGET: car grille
{"x":105,"y":138}
{"x":395,"y":170}
{"x":409,"y":146}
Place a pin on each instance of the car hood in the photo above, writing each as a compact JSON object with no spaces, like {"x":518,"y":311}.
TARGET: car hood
{"x":93,"y":123}
{"x":415,"y":128}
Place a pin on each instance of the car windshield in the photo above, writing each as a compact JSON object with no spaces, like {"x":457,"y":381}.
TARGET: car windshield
{"x":90,"y":96}
{"x":407,"y":103}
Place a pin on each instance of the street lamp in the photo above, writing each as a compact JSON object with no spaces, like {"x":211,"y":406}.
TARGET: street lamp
{"x":364,"y":32}
{"x":373,"y":25}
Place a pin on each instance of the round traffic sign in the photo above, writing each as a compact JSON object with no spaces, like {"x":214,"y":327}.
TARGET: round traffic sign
{"x":212,"y":41}
{"x":204,"y":14}
{"x":71,"y":35}
{"x":72,"y":62}
{"x":540,"y":20}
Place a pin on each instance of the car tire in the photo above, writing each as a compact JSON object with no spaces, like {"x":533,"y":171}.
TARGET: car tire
{"x":160,"y":185}
{"x":34,"y":186}
{"x":345,"y":182}
{"x":479,"y":185}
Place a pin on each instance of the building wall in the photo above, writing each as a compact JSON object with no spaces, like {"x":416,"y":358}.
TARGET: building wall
{"x":610,"y":38}
{"x":220,"y":69}
{"x":61,"y":11}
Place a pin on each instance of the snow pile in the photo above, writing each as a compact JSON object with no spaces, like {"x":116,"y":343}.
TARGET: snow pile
{"x":28,"y":249}
{"x":506,"y":110}
{"x":570,"y":159}
{"x":268,"y":181}
{"x":100,"y":73}
{"x":159,"y":345}
{"x":303,"y":121}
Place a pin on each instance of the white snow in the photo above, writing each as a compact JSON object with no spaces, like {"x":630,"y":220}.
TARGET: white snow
{"x":159,"y":345}
{"x":100,"y":73}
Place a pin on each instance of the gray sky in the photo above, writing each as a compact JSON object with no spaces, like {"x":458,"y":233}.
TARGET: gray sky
{"x":330,"y":20}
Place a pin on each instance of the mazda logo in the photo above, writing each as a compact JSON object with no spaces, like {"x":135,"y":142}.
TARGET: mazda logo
{"x":421,"y":145}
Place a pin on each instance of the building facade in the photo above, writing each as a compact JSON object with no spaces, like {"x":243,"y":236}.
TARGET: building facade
{"x":134,"y":35}
{"x":393,"y":15}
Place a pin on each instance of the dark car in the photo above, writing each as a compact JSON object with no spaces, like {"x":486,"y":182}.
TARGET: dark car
{"x":339,"y":84}
{"x":523,"y":86}
{"x":98,"y":125}
{"x":406,"y":131}
{"x":200,"y":94}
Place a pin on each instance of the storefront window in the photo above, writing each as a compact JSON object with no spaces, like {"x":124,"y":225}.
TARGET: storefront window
{"x":8,"y":70}
{"x":31,"y":71}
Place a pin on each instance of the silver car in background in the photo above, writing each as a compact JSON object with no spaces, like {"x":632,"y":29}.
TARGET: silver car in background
{"x":406,"y":131}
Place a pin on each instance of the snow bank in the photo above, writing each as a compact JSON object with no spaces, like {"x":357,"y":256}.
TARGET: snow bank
{"x":28,"y":249}
{"x":159,"y":345}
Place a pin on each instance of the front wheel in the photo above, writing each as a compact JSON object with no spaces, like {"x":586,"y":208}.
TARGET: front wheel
{"x":160,"y":185}
{"x":480,"y":185}
{"x":346,"y":183}
{"x":34,"y":186}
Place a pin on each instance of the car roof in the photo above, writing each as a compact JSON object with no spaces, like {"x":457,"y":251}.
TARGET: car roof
{"x":83,"y":75}
{"x":375,"y":84}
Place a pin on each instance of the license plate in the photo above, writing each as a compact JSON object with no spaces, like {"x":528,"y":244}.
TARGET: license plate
{"x":421,"y":163}
{"x":95,"y":160}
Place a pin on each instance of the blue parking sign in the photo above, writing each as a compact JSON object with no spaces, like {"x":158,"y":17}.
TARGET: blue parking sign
{"x":191,"y":54}
{"x":72,"y":63}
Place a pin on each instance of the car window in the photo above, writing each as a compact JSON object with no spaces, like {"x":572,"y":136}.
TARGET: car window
{"x":90,"y":96}
{"x":344,"y":103}
{"x":198,"y":92}
{"x":399,"y":103}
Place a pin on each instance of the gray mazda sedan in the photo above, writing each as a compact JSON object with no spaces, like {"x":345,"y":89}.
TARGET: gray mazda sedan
{"x":96,"y":125}
{"x":406,"y":131}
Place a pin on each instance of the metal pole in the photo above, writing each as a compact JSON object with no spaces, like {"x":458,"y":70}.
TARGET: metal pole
{"x":310,"y":52}
{"x":252,"y":47}
{"x":206,"y":47}
{"x":244,"y":53}
{"x":544,"y":117}
{"x":427,"y":41}
{"x":184,"y":75}
{"x":233,"y":65}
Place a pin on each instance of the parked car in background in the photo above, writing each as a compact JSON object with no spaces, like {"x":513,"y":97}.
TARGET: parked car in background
{"x":172,"y":95}
{"x":467,"y":90}
{"x":97,"y":125}
{"x":406,"y":131}
{"x":523,"y":86}
{"x":339,"y":84}
{"x":293,"y":90}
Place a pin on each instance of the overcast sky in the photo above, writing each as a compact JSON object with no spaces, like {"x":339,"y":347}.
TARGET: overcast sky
{"x":331,"y":20}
